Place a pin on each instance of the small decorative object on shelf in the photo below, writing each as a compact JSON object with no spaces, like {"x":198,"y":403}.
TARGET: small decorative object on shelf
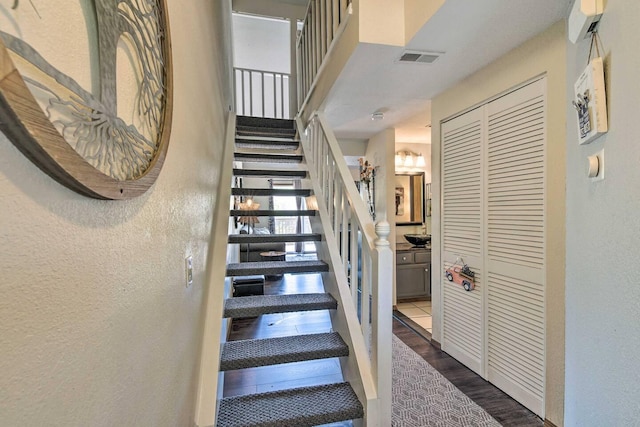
{"x":461,"y":274}
{"x":367,"y":177}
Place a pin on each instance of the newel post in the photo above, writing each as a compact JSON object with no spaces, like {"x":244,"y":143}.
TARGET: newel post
{"x":382,"y":324}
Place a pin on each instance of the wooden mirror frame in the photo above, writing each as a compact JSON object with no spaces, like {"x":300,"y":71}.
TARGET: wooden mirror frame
{"x":23,"y":121}
{"x":421,"y":188}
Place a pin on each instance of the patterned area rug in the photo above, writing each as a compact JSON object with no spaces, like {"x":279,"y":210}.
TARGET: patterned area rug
{"x":423,"y":397}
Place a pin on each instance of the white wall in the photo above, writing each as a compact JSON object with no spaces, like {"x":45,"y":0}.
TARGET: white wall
{"x":261,"y":43}
{"x":353,"y":149}
{"x":543,"y":54}
{"x":98,"y":328}
{"x":603,"y":231}
{"x":291,"y":10}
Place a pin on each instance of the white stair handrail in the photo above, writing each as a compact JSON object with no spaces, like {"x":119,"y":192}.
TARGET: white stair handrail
{"x":361,"y":259}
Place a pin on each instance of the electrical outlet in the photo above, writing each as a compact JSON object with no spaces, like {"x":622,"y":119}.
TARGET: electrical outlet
{"x":188,"y":265}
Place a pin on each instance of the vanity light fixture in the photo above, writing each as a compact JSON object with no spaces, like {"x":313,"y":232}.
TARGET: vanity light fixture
{"x":409,"y":159}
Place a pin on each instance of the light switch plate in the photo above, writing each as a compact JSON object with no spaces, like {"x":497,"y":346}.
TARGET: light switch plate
{"x":600,"y":175}
{"x":188,"y":264}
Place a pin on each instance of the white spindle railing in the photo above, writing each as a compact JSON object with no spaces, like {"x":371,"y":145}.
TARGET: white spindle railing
{"x":361,"y":263}
{"x":262,"y":93}
{"x":323,"y":24}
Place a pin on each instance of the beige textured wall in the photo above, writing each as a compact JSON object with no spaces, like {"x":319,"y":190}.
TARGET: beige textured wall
{"x":543,"y":54}
{"x":382,"y":22}
{"x":98,"y":328}
{"x":380,"y":153}
{"x":603,"y":235}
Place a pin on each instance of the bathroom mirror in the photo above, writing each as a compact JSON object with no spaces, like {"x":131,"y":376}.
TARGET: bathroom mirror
{"x":409,"y":198}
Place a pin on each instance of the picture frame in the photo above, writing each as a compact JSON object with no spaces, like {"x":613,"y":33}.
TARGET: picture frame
{"x":409,"y":198}
{"x":590,"y":102}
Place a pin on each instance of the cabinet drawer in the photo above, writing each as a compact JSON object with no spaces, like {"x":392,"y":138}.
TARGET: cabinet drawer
{"x":404,"y":258}
{"x":423,"y":257}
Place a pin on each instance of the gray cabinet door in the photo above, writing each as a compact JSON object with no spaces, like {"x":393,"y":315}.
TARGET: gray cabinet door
{"x":413,"y":280}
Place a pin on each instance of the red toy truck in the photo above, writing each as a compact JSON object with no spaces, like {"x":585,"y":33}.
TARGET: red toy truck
{"x":461,"y":275}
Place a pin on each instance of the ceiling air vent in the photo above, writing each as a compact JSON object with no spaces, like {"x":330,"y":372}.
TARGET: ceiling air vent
{"x":419,"y":57}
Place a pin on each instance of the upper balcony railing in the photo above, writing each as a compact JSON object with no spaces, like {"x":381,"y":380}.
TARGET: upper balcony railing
{"x":262,"y":93}
{"x":325,"y":21}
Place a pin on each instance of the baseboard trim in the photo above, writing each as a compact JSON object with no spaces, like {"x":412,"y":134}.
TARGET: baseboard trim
{"x":436,"y":344}
{"x":548,"y":423}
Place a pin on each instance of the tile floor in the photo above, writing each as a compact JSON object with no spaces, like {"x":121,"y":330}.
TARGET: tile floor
{"x":417,"y":311}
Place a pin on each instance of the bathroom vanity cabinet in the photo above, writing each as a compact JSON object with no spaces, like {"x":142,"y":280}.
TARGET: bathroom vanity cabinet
{"x":413,"y":272}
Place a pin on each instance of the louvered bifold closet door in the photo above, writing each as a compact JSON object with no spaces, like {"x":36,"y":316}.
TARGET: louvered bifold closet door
{"x":462,"y":236}
{"x":515,"y":255}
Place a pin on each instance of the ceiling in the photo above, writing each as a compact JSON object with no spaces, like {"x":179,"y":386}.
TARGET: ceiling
{"x":471,"y":34}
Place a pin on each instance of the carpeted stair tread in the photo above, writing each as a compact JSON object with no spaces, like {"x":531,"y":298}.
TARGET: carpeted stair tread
{"x":267,"y":122}
{"x":265,"y":132}
{"x":267,"y":150}
{"x":270,"y":172}
{"x":268,"y":157}
{"x":272,"y":268}
{"x":299,"y":407}
{"x":266,"y":138}
{"x":272,"y":212}
{"x":274,"y":351}
{"x":257,"y":305}
{"x":274,"y":238}
{"x":271,"y":143}
{"x":269,"y":192}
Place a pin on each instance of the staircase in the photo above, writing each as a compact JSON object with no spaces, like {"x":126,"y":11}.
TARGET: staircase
{"x":273,"y":141}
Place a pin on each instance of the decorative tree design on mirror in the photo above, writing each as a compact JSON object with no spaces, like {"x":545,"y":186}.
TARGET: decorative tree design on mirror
{"x":84,"y":138}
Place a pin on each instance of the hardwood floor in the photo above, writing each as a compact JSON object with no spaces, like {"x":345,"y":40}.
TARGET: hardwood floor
{"x":500,"y":406}
{"x":271,"y":378}
{"x":504,"y":409}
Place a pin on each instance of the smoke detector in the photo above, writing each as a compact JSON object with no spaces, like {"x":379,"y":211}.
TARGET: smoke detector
{"x":420,"y":57}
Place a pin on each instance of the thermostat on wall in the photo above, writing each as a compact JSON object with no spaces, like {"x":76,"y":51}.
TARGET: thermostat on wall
{"x":584,"y":17}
